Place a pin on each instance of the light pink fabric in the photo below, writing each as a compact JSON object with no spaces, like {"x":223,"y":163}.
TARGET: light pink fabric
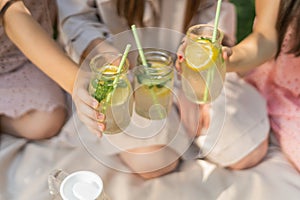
{"x":279,"y":82}
{"x":23,"y":87}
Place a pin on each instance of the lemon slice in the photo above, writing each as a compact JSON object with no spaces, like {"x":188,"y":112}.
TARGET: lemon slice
{"x":201,"y":55}
{"x":110,"y":70}
{"x":120,"y":96}
{"x":157,"y":64}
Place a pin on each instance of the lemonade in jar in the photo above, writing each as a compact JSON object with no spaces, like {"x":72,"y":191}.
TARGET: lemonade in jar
{"x":203,"y":69}
{"x":114,"y":97}
{"x":153,"y":84}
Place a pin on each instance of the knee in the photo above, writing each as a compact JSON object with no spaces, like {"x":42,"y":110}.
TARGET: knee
{"x":160,"y":172}
{"x":253,"y":158}
{"x":150,"y":162}
{"x":44,"y":125}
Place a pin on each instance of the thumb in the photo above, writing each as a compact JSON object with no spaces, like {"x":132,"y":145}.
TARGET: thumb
{"x":226,"y":53}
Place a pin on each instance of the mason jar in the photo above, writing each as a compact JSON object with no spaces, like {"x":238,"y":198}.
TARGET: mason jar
{"x":112,"y":90}
{"x":203,"y":68}
{"x":153,"y":84}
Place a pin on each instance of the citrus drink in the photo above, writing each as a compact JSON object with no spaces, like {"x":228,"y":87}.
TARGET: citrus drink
{"x":153,"y":86}
{"x":203,"y":69}
{"x":116,"y":103}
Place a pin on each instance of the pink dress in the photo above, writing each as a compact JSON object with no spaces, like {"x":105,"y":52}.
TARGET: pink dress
{"x":23,"y":87}
{"x":279,"y":82}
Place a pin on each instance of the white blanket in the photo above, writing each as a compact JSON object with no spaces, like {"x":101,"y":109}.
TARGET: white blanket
{"x":25,"y":167}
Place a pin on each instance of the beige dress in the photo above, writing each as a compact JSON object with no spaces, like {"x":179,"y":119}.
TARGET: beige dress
{"x":23,"y":87}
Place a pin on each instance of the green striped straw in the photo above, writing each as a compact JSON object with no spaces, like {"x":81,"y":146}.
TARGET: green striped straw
{"x":210,"y":73}
{"x":144,"y":62}
{"x":139,"y":46}
{"x":122,"y":62}
{"x":217,"y":19}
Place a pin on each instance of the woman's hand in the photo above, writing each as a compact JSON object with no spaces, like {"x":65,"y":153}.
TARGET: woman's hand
{"x":226,"y":53}
{"x":230,"y":67}
{"x":87,"y":108}
{"x":180,"y":54}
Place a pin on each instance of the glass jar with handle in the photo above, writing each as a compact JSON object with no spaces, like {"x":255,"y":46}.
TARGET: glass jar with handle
{"x":78,"y":185}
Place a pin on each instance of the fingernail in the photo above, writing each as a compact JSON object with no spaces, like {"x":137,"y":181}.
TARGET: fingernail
{"x":101,"y":127}
{"x":180,"y":58}
{"x":100,"y":116}
{"x":95,"y":104}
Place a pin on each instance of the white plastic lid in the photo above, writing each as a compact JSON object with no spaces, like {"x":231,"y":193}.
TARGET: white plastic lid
{"x":81,"y":185}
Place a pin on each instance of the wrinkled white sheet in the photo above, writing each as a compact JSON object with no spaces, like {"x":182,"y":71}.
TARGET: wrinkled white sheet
{"x":25,"y":166}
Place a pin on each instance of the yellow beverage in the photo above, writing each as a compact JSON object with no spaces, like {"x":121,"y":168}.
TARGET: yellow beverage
{"x":153,"y":87}
{"x":116,"y":103}
{"x":203,"y":70}
{"x":153,"y":98}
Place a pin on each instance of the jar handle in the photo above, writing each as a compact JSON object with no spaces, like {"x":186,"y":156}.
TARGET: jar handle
{"x":55,"y":178}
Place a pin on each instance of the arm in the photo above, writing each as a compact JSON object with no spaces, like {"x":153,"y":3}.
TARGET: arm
{"x":81,"y":29}
{"x":261,"y":44}
{"x":36,"y":44}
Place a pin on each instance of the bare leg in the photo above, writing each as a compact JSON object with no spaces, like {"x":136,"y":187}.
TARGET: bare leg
{"x":35,"y":124}
{"x":252,"y":159}
{"x":148,"y":165}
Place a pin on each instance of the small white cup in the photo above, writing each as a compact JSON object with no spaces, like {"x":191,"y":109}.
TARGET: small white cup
{"x":81,"y":185}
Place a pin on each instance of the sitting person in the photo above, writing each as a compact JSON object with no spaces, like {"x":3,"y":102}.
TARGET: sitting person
{"x":275,"y":47}
{"x":33,"y":102}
